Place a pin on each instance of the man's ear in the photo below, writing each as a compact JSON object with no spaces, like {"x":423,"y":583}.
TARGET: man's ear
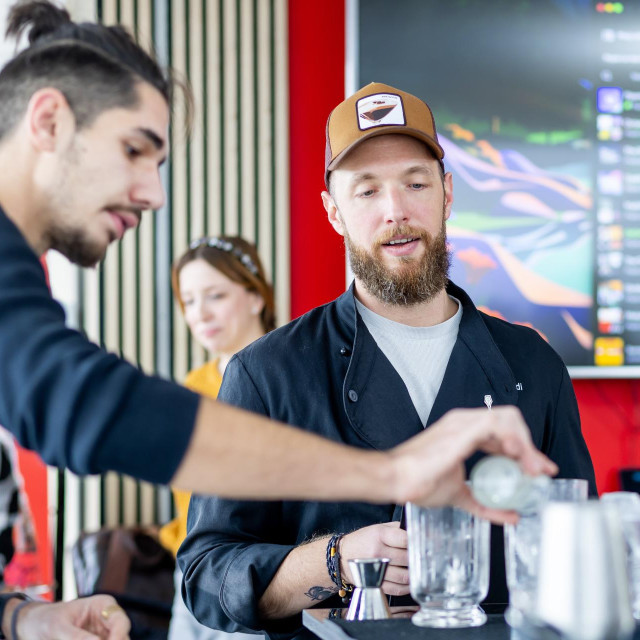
{"x":50,"y":121}
{"x":332,"y":212}
{"x":448,"y":194}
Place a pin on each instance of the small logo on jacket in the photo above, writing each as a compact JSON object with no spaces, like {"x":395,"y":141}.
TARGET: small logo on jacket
{"x":488,"y":400}
{"x":519,"y":386}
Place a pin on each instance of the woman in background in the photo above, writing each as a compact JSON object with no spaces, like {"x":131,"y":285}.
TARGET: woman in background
{"x":227,"y":303}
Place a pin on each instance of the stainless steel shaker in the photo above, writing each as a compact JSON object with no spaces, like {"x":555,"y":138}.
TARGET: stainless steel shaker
{"x":582,"y":586}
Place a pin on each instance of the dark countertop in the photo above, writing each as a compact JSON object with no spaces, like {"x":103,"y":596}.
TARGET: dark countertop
{"x":319,"y":625}
{"x":400,"y":628}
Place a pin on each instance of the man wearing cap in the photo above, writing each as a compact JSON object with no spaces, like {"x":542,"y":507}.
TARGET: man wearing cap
{"x":376,"y":366}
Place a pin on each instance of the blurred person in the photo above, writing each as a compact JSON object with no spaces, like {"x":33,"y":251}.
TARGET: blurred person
{"x":227,"y":303}
{"x":19,"y":566}
{"x":14,"y":505}
{"x":95,"y":618}
{"x":382,"y":363}
{"x":84,"y":117}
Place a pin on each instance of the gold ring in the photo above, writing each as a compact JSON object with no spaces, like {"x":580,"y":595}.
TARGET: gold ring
{"x":112,"y":608}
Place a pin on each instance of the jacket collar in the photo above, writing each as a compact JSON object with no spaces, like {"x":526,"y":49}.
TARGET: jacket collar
{"x":475,"y":369}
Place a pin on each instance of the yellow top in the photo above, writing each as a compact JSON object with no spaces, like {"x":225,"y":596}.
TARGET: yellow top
{"x":206,"y":381}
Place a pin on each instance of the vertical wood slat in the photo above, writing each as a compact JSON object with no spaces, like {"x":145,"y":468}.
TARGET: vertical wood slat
{"x":163,"y":224}
{"x":281,"y":164}
{"x":179,"y":183}
{"x":145,"y":260}
{"x":197,"y":142}
{"x":109,"y":11}
{"x":129,"y":312}
{"x":247,"y":120}
{"x":230,"y":118}
{"x":265,"y":139}
{"x":197,"y":147}
{"x":72,"y":513}
{"x":214,"y":101}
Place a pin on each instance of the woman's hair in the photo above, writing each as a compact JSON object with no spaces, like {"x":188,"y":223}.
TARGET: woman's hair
{"x":238,"y":260}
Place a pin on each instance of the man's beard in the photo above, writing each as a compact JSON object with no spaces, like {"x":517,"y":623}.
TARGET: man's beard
{"x":415,"y":281}
{"x":73,"y":245}
{"x":61,"y":235}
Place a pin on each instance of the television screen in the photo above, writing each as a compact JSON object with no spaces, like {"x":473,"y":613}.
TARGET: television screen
{"x":537,"y":106}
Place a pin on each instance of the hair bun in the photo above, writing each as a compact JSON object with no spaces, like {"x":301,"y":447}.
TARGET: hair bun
{"x":40,"y":17}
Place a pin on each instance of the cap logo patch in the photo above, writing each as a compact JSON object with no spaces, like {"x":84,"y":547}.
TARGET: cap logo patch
{"x":380,"y":110}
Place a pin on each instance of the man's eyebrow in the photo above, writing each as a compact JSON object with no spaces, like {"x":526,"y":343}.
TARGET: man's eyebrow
{"x":362,"y":177}
{"x":419,"y":168}
{"x":152,"y":136}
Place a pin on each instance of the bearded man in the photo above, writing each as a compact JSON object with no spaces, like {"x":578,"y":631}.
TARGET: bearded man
{"x":376,"y":366}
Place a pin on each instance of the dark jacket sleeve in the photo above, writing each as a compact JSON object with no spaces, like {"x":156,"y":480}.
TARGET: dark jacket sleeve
{"x":77,"y":406}
{"x":564,"y":442}
{"x":230,"y":554}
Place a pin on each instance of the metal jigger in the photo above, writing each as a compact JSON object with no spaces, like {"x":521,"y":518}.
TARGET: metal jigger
{"x":368,"y":602}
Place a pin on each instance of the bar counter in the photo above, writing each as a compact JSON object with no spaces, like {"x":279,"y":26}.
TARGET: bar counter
{"x":318,"y":624}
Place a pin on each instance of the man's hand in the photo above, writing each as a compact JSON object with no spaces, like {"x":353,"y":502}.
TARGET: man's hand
{"x":94,"y":618}
{"x":429,"y":469}
{"x":385,"y":540}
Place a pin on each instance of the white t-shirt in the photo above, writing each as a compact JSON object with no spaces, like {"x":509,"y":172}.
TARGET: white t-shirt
{"x":419,"y":354}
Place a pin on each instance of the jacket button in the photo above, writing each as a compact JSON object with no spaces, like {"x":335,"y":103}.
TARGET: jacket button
{"x":344,"y":351}
{"x":353,"y":396}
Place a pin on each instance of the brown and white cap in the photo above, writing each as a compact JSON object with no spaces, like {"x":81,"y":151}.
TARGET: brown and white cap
{"x":376,"y":110}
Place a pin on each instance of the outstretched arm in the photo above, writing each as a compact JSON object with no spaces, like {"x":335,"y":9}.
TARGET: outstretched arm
{"x":278,"y":461}
{"x":86,"y":410}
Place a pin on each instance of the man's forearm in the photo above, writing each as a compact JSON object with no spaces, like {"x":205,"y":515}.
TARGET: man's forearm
{"x":301,"y":582}
{"x":234,"y":453}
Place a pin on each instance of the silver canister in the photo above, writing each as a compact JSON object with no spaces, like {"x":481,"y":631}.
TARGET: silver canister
{"x":582,"y":588}
{"x":368,"y":602}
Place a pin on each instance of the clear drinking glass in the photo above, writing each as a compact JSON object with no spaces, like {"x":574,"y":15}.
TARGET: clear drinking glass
{"x":522,"y":547}
{"x":448,"y":566}
{"x":568,"y":490}
{"x":627,"y":506}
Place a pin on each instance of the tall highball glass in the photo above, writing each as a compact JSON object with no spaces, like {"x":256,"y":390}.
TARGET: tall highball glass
{"x":522,"y":546}
{"x":448,"y":566}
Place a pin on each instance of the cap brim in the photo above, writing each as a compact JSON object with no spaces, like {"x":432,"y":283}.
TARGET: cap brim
{"x":433,"y":145}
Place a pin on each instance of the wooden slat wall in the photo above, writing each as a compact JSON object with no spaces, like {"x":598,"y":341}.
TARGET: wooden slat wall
{"x":230,"y":176}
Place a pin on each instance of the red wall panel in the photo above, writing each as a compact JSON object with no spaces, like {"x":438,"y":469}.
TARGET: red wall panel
{"x":610,"y":413}
{"x":34,"y":474}
{"x":316,"y":85}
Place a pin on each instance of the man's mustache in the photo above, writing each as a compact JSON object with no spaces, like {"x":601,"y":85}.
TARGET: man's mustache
{"x":402,"y":230}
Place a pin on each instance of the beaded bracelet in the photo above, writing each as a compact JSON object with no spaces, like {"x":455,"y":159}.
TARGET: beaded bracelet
{"x":333,"y":567}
